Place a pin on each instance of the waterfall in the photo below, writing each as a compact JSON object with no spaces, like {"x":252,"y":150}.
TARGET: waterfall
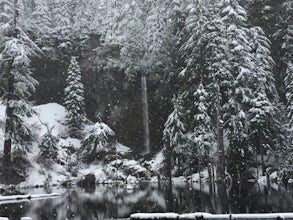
{"x":145,"y":115}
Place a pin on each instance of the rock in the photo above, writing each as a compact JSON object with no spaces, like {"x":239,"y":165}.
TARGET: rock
{"x":88,"y":180}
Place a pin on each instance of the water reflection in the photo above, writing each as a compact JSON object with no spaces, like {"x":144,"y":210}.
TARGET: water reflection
{"x":105,"y":202}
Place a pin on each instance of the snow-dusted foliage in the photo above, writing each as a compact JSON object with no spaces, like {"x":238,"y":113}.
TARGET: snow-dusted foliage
{"x":100,"y":141}
{"x":203,"y":135}
{"x":16,"y":50}
{"x":175,"y":135}
{"x":289,"y":93}
{"x":48,"y":146}
{"x":125,"y":170}
{"x":74,"y":100}
{"x":42,"y":22}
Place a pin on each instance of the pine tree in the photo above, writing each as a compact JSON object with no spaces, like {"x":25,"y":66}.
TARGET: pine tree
{"x":48,"y":146}
{"x":74,"y":99}
{"x":16,"y":51}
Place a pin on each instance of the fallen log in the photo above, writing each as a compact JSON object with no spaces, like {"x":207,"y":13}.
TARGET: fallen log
{"x":27,"y":197}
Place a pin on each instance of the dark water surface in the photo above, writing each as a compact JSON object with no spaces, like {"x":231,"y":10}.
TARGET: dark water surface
{"x":106,"y":202}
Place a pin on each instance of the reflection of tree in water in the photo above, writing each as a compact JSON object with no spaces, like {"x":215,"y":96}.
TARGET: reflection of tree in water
{"x":117,"y":202}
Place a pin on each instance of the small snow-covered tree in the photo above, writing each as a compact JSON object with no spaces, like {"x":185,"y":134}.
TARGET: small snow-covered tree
{"x":48,"y":146}
{"x":99,"y":142}
{"x":74,"y":99}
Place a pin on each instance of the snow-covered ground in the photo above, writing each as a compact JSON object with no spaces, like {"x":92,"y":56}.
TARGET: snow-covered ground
{"x":51,"y":116}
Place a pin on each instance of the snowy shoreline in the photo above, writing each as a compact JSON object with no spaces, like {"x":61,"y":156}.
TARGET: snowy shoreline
{"x":203,"y":215}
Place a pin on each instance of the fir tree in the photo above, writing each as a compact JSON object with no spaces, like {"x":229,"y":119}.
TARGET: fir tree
{"x":98,"y":143}
{"x":48,"y":146}
{"x":174,"y":134}
{"x":42,"y":22}
{"x":74,"y":100}
{"x":203,"y":135}
{"x":241,"y":63}
{"x":16,"y":51}
{"x":262,"y":125}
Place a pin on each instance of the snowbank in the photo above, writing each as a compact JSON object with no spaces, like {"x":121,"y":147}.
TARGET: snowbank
{"x":203,"y":215}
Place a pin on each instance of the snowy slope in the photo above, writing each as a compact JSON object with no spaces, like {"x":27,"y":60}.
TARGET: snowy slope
{"x":52,"y":116}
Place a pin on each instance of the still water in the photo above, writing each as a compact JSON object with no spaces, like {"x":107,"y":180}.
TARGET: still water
{"x":106,"y":202}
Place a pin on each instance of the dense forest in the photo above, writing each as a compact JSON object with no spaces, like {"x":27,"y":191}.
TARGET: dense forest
{"x":212,"y":80}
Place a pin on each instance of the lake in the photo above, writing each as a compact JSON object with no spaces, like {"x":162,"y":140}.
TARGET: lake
{"x":110,"y":201}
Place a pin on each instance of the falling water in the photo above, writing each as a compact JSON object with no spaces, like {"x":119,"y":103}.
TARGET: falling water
{"x":145,"y":113}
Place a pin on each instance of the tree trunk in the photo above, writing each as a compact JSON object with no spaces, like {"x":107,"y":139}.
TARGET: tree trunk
{"x":9,"y":97}
{"x":145,"y":112}
{"x":9,"y":115}
{"x":262,"y":155}
{"x":168,"y":162}
{"x":220,"y":140}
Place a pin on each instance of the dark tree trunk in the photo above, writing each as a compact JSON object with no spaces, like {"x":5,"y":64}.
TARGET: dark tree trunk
{"x":9,"y":97}
{"x":9,"y":115}
{"x":168,"y":162}
{"x":262,"y":155}
{"x":220,"y":140}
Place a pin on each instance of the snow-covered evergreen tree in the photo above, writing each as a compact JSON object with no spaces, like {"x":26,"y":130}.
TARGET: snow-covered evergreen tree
{"x":74,"y":99}
{"x":203,"y":136}
{"x":48,"y":146}
{"x":264,"y":64}
{"x":42,"y":22}
{"x":241,"y":63}
{"x":174,"y":134}
{"x":99,"y":142}
{"x":262,"y":125}
{"x":16,"y":51}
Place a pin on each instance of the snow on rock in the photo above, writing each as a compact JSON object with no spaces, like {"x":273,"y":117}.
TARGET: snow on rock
{"x":26,"y":218}
{"x":156,"y":163}
{"x":202,"y":176}
{"x":4,"y":218}
{"x":131,"y":180}
{"x":70,"y":142}
{"x":52,"y":115}
{"x":179,"y":180}
{"x":122,"y":149}
{"x":97,"y":170}
{"x":126,"y":171}
{"x":40,"y":176}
